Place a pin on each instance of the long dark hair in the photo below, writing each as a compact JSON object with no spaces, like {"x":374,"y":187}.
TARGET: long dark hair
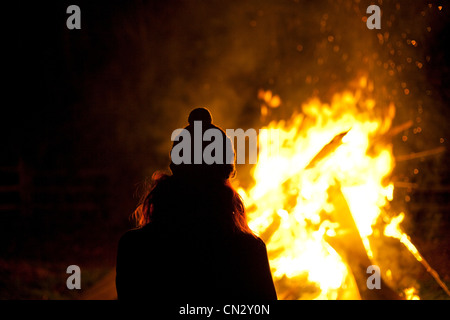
{"x":191,"y":202}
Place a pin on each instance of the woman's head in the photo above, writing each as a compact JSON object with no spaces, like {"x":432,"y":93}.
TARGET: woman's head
{"x":202,"y":150}
{"x":198,"y":194}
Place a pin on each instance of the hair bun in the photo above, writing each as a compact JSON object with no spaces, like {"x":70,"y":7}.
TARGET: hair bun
{"x":200,"y":114}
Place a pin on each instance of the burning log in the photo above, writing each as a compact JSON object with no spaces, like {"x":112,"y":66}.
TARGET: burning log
{"x":327,"y":149}
{"x":402,"y":127}
{"x":393,"y":230}
{"x":392,"y":132}
{"x":347,"y":242}
{"x":421,"y":154}
{"x":406,"y":185}
{"x":316,"y":216}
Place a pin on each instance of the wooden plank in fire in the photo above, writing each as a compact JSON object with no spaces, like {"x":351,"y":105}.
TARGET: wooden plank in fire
{"x":327,"y":149}
{"x":421,"y":154}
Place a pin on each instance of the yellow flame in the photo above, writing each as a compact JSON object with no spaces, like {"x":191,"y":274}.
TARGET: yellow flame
{"x":273,"y":101}
{"x":291,"y":205}
{"x":411,"y":294}
{"x":393,"y":230}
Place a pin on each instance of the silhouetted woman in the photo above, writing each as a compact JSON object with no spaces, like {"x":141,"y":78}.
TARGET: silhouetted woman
{"x":193,"y":242}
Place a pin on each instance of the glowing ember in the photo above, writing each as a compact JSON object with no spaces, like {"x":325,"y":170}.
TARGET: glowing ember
{"x":411,"y":294}
{"x":329,"y":159}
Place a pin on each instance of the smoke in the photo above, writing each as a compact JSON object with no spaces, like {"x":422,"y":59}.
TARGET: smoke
{"x":111,"y":94}
{"x":114,"y":91}
{"x":165,"y":59}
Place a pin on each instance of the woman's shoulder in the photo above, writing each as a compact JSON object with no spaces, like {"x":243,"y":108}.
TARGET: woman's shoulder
{"x":250,"y":240}
{"x":133,"y":236}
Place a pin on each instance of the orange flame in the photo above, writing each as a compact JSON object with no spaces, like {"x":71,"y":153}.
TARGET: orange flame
{"x":291,"y":205}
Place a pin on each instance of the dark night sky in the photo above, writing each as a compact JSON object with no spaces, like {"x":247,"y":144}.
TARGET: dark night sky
{"x":120,"y":85}
{"x":111,"y":93}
